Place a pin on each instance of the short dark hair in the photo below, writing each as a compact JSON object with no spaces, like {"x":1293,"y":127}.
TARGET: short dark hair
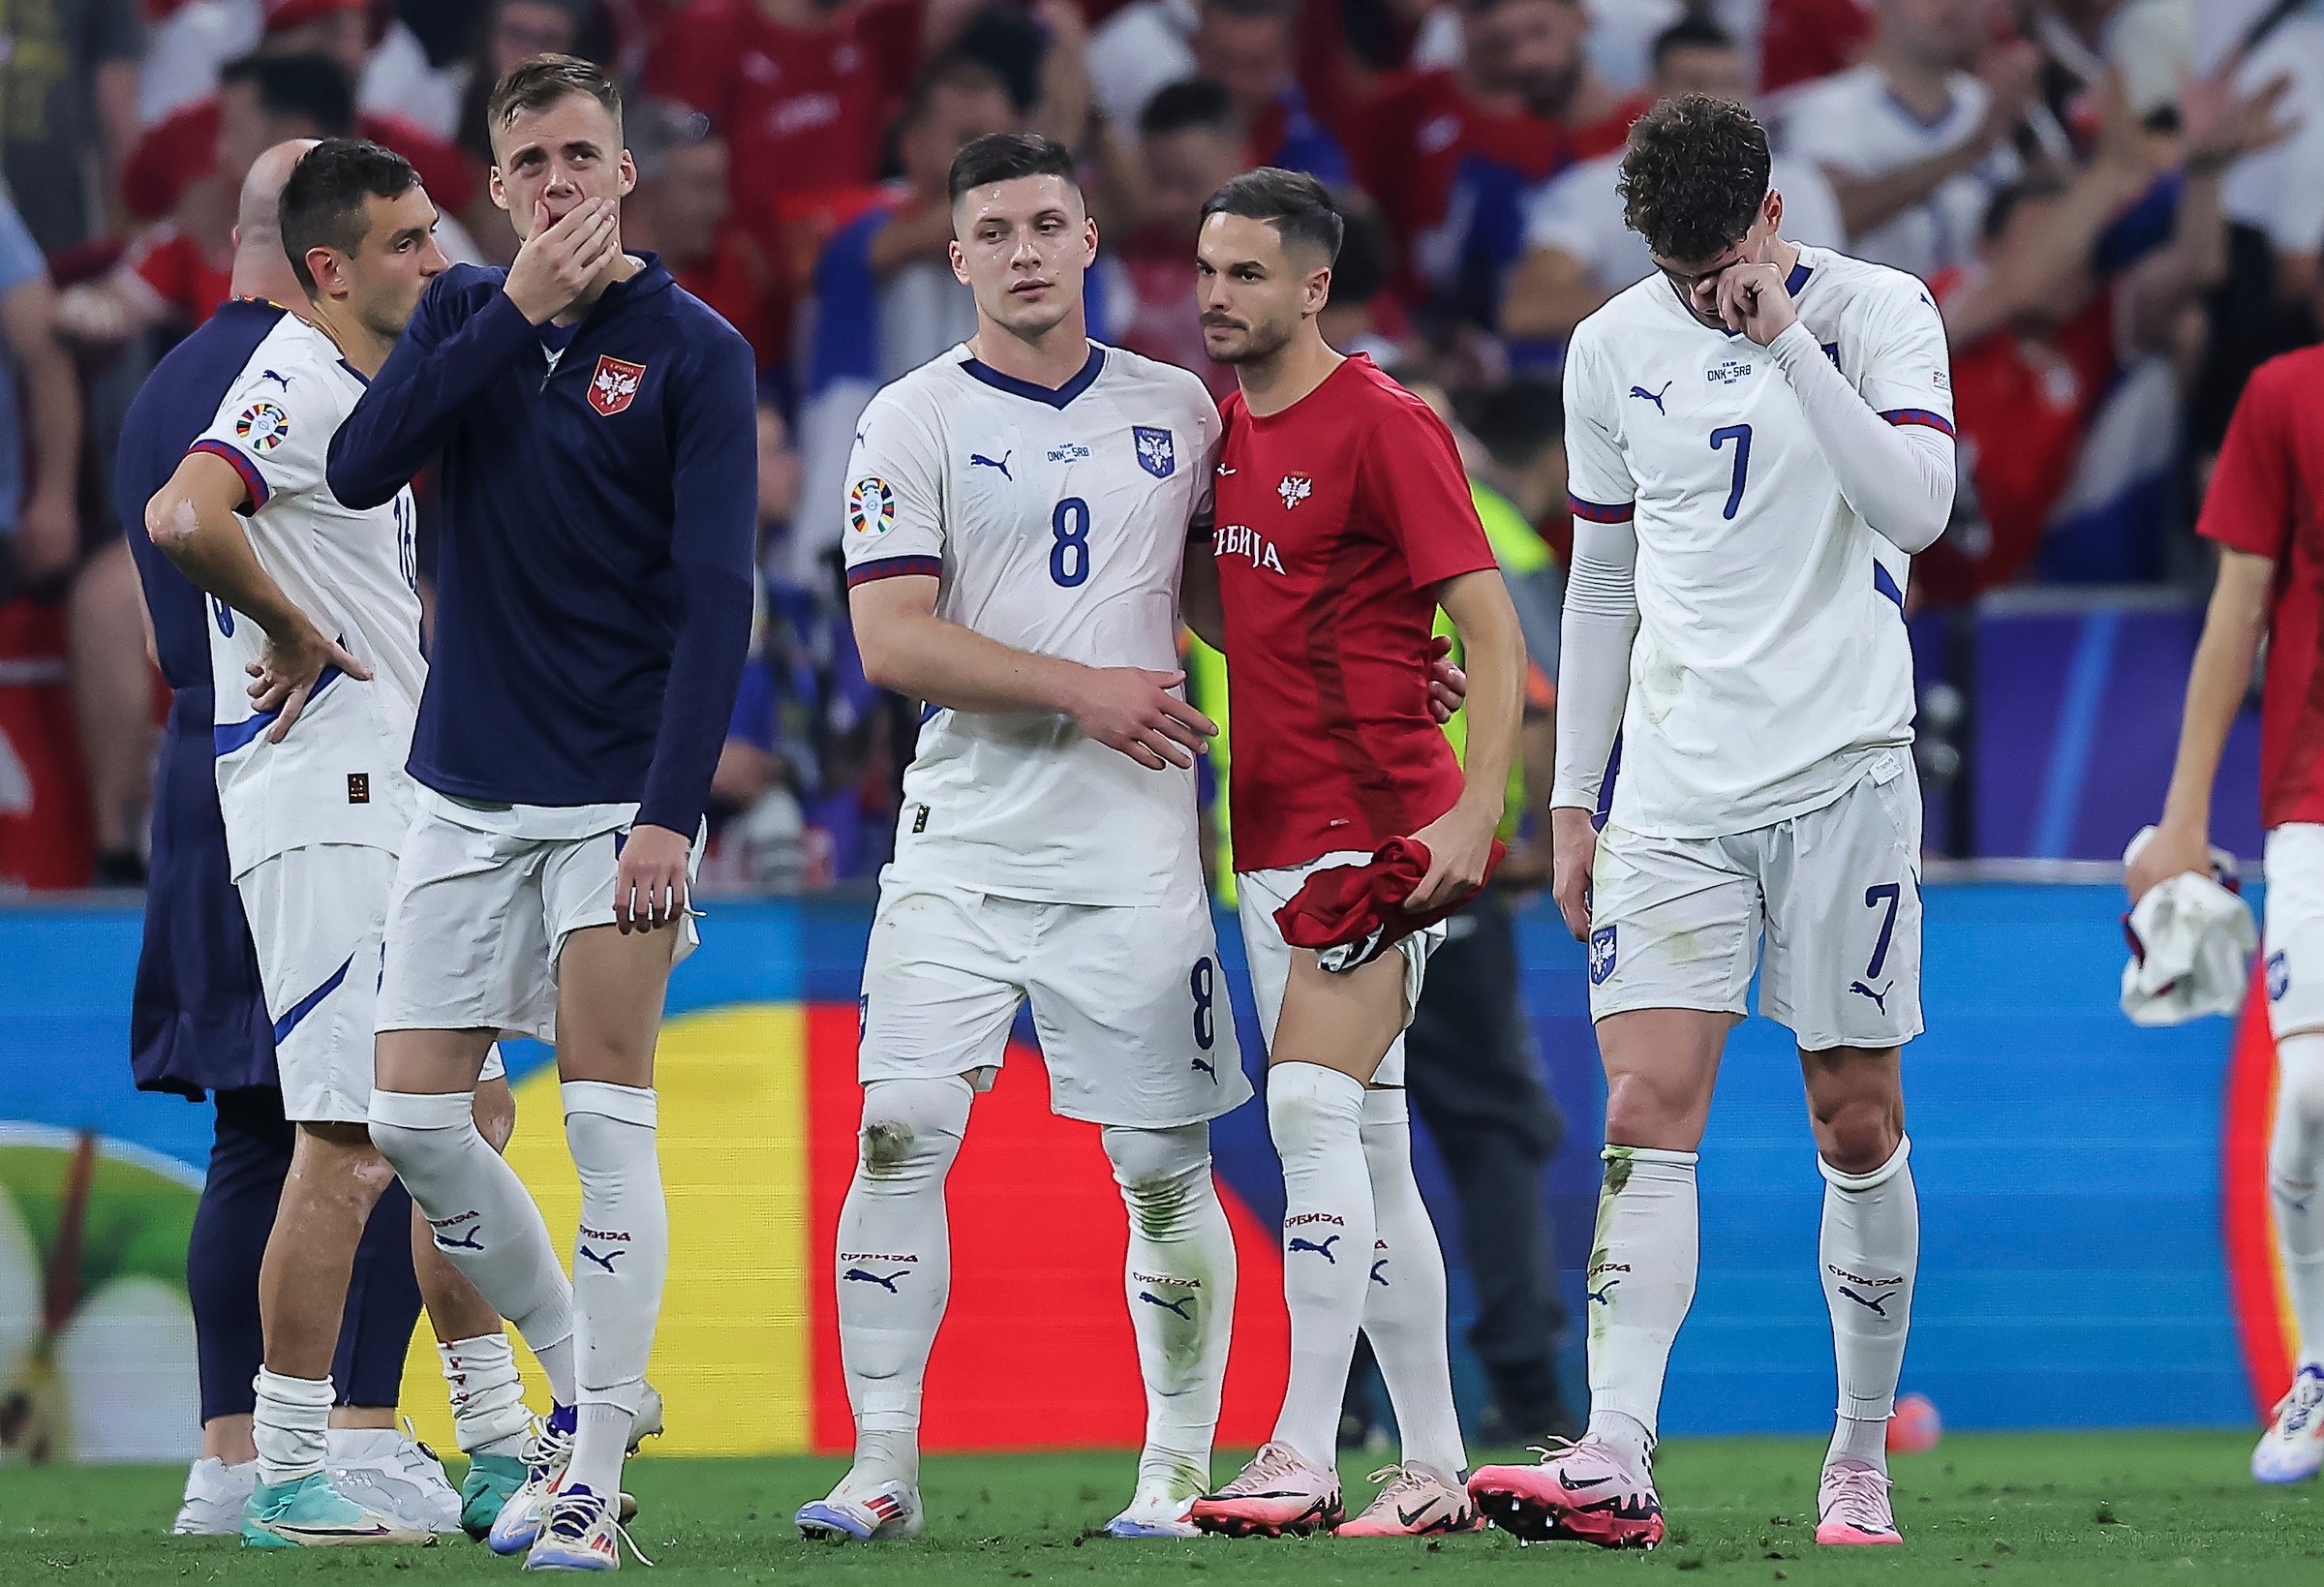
{"x":1517,"y":420}
{"x":1691,"y":33}
{"x":545,"y":80}
{"x":1186,"y":105}
{"x":324,"y":202}
{"x":2003,"y":205}
{"x":314,"y":87}
{"x":1693,"y":176}
{"x":1295,"y":203}
{"x":955,"y":73}
{"x":1004,"y":157}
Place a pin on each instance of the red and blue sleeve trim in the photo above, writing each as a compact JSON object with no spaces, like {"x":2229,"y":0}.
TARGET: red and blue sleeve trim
{"x":1920,"y":415}
{"x":251,"y":481}
{"x":1597,"y":512}
{"x":896,"y":568}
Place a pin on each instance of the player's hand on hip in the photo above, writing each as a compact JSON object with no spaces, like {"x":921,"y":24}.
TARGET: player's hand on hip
{"x":1576,"y":842}
{"x":1460,"y":846}
{"x":649,"y":890}
{"x":1753,"y":300}
{"x":559,"y":262}
{"x":288,"y":670}
{"x":2172,"y":851}
{"x":1131,"y":710}
{"x":1447,"y":685}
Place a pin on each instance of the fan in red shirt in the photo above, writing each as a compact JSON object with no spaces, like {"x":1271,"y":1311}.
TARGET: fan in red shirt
{"x":1342,"y":522}
{"x":2261,"y":510}
{"x":1450,"y":153}
{"x":184,"y":148}
{"x":681,"y":210}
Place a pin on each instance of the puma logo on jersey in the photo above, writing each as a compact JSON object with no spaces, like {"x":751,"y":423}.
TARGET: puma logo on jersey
{"x":1242,"y":540}
{"x":1654,"y":397}
{"x":1880,"y":998}
{"x":978,"y":460}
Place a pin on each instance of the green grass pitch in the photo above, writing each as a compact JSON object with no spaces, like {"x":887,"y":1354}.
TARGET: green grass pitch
{"x":2111,"y":1508}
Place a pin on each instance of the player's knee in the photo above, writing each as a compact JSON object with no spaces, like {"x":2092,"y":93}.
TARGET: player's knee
{"x":1858,"y":1135}
{"x":1161,"y":1172}
{"x":1309,"y":1105}
{"x":1644,"y":1110}
{"x":495,"y":1110}
{"x":422,"y":1134}
{"x":912,"y":1126}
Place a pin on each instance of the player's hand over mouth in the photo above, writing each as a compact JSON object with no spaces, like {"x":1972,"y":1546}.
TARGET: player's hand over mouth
{"x":1132,"y":710}
{"x":649,"y":890}
{"x":1460,"y":846}
{"x":1752,"y":299}
{"x":287,"y":670}
{"x":1575,"y":841}
{"x":561,"y":259}
{"x":1447,"y":685}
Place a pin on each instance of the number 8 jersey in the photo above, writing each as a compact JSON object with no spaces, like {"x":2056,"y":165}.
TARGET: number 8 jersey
{"x":338,"y":776}
{"x":1771,"y":661}
{"x":1055,"y":521}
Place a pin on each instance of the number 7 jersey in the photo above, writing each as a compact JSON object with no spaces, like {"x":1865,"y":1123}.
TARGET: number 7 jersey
{"x":1771,"y":662}
{"x":1055,"y":521}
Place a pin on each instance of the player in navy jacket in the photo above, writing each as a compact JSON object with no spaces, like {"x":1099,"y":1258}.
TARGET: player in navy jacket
{"x":597,"y":432}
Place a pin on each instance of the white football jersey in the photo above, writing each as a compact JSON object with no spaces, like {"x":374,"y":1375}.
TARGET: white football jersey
{"x":1058,"y":523}
{"x":338,"y":776}
{"x":1771,"y":663}
{"x":1852,"y":122}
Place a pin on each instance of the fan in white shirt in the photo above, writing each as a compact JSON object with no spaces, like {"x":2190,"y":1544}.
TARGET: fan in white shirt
{"x":1580,"y":250}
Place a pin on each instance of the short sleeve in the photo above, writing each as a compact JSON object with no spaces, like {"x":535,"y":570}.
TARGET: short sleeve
{"x":275,"y":428}
{"x":1599,"y":489}
{"x":1413,"y":488}
{"x":894,"y":513}
{"x":1908,"y":376}
{"x":2250,"y":506}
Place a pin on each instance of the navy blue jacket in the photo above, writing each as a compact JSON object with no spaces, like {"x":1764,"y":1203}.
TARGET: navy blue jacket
{"x":197,"y":1018}
{"x":593,"y":601}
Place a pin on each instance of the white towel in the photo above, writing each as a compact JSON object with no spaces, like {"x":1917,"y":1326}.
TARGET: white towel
{"x":2194,"y":940}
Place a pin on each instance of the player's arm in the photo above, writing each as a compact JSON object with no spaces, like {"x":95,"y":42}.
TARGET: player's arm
{"x":2012,"y":75}
{"x":440,"y":365}
{"x":196,"y":521}
{"x":1593,"y":688}
{"x":1460,"y":841}
{"x":905,"y":646}
{"x":1895,"y":462}
{"x":2249,"y":510}
{"x":1200,"y":605}
{"x":49,"y":524}
{"x":713,"y":502}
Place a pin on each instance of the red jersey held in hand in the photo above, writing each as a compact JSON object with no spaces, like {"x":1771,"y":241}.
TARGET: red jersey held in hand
{"x":2263,"y":499}
{"x":1336,"y":519}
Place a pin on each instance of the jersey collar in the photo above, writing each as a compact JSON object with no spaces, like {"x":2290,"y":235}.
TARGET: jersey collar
{"x":1056,"y":397}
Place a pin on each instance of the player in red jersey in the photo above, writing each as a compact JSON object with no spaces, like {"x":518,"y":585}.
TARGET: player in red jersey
{"x":2261,"y":509}
{"x":1342,"y":522}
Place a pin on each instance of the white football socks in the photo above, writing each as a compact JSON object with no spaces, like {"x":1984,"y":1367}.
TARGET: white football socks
{"x":621,"y":1256}
{"x":893,"y":1267}
{"x":1640,"y":1281}
{"x":1867,"y":1257}
{"x":2295,"y":1159}
{"x":1316,"y":1117}
{"x":291,"y":1426}
{"x":1179,"y":1280}
{"x":1404,"y":1295}
{"x":482,"y":1217}
{"x":489,"y":1414}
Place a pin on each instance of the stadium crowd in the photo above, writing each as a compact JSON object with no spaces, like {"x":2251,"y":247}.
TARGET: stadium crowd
{"x":2117,"y":204}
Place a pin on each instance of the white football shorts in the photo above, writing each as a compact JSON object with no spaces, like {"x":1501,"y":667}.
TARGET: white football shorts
{"x":1259,"y":894}
{"x":1677,"y":922}
{"x":1129,"y":1003}
{"x":2295,"y":927}
{"x":477,"y":921}
{"x":317,"y":915}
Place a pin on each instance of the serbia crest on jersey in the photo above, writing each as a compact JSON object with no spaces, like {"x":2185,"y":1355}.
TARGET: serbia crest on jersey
{"x":1055,"y":521}
{"x":338,"y":776}
{"x":1771,"y":661}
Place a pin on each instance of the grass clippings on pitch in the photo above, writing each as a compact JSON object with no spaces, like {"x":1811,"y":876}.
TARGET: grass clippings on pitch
{"x":2110,"y":1510}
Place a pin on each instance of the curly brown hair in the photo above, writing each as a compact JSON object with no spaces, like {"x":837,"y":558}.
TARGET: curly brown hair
{"x":1693,"y":176}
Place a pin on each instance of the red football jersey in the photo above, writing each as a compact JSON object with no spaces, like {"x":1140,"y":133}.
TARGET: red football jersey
{"x":1336,"y":520}
{"x":2264,"y":497}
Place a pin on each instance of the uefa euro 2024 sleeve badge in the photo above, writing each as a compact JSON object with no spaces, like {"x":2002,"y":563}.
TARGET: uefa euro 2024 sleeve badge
{"x":263,"y":427}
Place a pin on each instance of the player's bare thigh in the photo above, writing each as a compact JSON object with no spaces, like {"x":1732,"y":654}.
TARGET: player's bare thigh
{"x":1855,"y":1105}
{"x":430,"y":1062}
{"x":1346,"y":1022}
{"x":610,"y":986}
{"x":1660,"y":1067}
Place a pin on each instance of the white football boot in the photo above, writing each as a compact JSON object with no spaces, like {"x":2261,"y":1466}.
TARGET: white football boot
{"x":2293,"y":1448}
{"x":215,"y":1494}
{"x":393,"y":1476}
